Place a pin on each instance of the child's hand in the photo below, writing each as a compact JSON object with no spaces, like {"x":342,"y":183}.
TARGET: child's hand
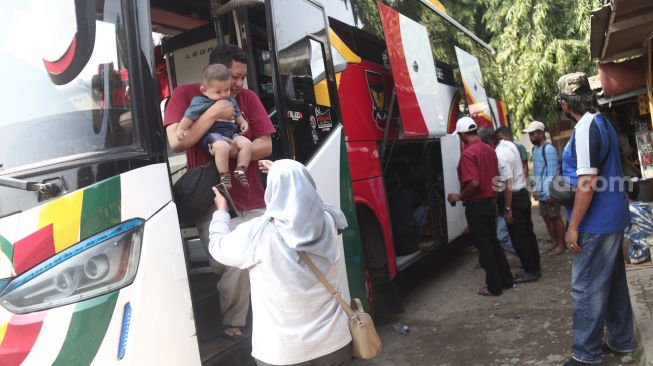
{"x":244,"y":127}
{"x":181,"y":133}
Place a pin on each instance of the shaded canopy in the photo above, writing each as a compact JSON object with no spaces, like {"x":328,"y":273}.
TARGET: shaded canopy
{"x":620,"y":29}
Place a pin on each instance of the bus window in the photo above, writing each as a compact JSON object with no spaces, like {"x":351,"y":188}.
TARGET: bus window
{"x":309,"y":113}
{"x":71,"y":55}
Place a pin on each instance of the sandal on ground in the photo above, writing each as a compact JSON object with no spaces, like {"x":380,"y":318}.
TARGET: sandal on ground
{"x":232,"y":332}
{"x":226,"y":180}
{"x":483,"y":291}
{"x":241,"y":178}
{"x":557,"y":251}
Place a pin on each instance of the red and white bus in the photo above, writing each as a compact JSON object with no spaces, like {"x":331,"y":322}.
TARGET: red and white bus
{"x":95,"y":267}
{"x":403,"y":75}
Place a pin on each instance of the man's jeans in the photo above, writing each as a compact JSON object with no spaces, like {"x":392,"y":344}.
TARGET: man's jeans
{"x":600,"y":297}
{"x":503,"y":235}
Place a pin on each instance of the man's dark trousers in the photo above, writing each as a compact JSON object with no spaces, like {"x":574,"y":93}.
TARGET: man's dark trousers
{"x":522,"y":234}
{"x":482,"y":222}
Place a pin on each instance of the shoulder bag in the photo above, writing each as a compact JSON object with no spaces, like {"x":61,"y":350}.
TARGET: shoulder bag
{"x":560,"y":190}
{"x":365,"y":340}
{"x":193,"y":194}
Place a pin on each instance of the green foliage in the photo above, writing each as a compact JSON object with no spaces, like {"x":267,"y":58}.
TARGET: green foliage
{"x":536,"y":41}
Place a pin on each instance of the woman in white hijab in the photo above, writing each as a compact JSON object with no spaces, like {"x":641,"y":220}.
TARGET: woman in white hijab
{"x":296,"y":321}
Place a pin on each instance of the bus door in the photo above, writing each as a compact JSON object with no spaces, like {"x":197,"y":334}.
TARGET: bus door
{"x":415,"y":77}
{"x":427,"y":97}
{"x":309,"y":125}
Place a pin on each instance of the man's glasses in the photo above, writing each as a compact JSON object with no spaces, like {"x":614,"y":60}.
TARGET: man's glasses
{"x":559,"y":103}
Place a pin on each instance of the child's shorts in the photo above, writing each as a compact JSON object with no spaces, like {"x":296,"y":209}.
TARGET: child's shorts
{"x":218,"y":131}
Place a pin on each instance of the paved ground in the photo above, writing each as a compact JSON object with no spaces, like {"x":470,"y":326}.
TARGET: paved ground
{"x":451,"y":325}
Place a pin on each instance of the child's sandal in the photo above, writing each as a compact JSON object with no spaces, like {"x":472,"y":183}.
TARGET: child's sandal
{"x":241,"y":177}
{"x":226,"y":180}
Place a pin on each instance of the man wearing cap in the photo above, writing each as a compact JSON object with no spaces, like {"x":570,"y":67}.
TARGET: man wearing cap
{"x":545,"y":168}
{"x":477,"y":169}
{"x":599,"y":291}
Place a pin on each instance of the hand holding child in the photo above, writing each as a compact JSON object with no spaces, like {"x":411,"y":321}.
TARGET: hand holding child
{"x":181,"y":133}
{"x":244,"y":127}
{"x":222,"y":109}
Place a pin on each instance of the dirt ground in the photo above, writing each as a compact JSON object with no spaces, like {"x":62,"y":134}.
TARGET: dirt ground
{"x":451,"y":325}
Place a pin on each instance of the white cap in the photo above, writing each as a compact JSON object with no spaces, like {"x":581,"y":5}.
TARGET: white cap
{"x":535,"y":126}
{"x":465,"y":124}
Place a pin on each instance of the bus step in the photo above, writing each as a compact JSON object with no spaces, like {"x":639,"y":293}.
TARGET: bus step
{"x":404,"y":261}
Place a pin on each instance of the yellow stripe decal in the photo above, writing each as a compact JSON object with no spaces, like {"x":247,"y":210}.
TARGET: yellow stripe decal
{"x":64,"y":214}
{"x":439,"y":6}
{"x":341,"y":47}
{"x":322,"y":93}
{"x":3,"y":330}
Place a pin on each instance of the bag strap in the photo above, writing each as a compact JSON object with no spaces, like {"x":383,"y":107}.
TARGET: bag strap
{"x":336,"y":295}
{"x":546,"y":163}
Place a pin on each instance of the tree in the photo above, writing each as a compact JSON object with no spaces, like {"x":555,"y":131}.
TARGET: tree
{"x":537,"y":41}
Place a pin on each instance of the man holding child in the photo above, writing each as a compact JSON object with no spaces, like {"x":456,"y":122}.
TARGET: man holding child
{"x":233,"y":285}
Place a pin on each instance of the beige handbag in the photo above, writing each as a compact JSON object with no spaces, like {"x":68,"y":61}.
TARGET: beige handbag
{"x":365,"y":341}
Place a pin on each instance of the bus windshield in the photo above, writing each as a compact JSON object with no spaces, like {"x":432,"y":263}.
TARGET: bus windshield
{"x":65,"y":81}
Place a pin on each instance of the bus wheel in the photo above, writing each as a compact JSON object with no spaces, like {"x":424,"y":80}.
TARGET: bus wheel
{"x":383,"y":296}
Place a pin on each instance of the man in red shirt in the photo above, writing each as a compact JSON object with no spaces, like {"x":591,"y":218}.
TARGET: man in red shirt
{"x":477,"y":169}
{"x":233,"y":285}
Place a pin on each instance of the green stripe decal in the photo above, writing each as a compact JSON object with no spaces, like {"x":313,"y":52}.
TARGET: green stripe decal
{"x":7,"y":248}
{"x":101,"y":207}
{"x":87,"y":329}
{"x":351,"y":237}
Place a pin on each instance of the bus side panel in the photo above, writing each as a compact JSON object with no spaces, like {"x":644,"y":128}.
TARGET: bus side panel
{"x":66,"y":335}
{"x":329,"y":168}
{"x":364,"y":160}
{"x":371,"y":193}
{"x":89,"y":331}
{"x":365,"y":91}
{"x":162,"y":330}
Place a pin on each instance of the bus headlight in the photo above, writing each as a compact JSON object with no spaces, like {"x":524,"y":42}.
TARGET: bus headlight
{"x":100,"y":264}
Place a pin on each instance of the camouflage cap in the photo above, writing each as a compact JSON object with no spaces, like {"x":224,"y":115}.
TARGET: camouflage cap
{"x":574,"y":84}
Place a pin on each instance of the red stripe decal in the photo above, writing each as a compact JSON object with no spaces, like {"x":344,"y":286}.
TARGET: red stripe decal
{"x":59,"y":66}
{"x":411,"y":115}
{"x":33,"y":249}
{"x":501,"y":116}
{"x":22,"y":332}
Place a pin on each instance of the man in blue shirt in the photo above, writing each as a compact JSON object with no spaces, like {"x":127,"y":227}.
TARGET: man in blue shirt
{"x":599,"y":291}
{"x":545,"y":167}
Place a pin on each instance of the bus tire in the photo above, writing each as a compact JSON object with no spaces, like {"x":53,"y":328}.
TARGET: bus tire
{"x":383,"y":296}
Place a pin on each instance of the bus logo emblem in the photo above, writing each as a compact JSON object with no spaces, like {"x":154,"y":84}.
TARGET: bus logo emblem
{"x":376,"y":86}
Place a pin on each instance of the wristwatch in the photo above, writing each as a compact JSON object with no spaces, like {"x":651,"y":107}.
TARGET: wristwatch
{"x":507,"y":209}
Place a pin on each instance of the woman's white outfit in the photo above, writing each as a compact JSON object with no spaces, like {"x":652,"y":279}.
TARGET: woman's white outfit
{"x":295,"y":319}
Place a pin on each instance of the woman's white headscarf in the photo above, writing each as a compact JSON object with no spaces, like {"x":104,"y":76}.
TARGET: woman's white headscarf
{"x":301,"y":219}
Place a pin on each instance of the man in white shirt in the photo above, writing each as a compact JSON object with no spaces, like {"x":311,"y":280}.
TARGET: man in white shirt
{"x":515,"y":205}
